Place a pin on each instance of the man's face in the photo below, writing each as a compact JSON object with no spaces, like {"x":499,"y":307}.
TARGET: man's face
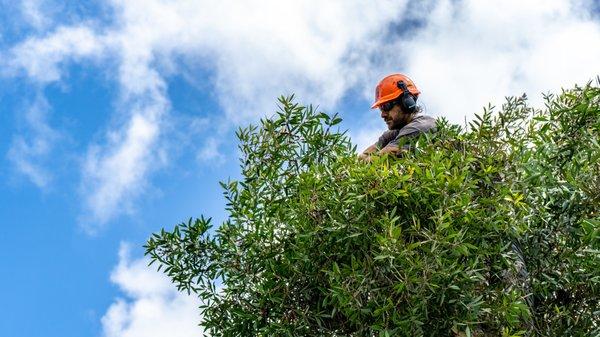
{"x":395,"y":118}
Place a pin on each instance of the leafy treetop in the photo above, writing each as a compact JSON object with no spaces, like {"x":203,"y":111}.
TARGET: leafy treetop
{"x":489,"y":231}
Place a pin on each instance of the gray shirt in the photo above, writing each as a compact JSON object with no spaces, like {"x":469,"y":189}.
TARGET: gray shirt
{"x":419,"y":125}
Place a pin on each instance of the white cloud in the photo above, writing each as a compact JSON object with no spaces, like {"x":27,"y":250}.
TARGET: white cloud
{"x":470,"y":53}
{"x":117,"y":175}
{"x":210,"y":152}
{"x":257,"y":52}
{"x":22,"y":154}
{"x":152,"y":306}
{"x":41,"y":58}
{"x":30,"y":148}
{"x":33,"y":12}
{"x":466,"y":54}
{"x":474,"y":52}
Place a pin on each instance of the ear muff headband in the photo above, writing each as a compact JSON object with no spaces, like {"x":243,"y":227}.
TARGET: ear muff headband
{"x":407,"y":100}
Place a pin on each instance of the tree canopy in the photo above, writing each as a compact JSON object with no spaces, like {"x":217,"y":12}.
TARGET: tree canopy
{"x":490,"y":230}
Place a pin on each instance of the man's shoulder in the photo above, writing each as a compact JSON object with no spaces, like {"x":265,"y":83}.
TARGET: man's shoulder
{"x":387,"y":137}
{"x":420,"y":124}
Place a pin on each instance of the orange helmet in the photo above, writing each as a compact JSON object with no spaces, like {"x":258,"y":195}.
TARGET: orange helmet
{"x":388,"y":89}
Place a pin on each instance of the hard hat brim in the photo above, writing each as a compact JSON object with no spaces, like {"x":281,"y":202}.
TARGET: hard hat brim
{"x":386,"y":98}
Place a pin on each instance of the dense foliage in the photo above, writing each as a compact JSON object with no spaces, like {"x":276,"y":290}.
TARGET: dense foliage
{"x":493,"y":231}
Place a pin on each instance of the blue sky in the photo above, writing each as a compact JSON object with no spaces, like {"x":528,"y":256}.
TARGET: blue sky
{"x":117,"y":118}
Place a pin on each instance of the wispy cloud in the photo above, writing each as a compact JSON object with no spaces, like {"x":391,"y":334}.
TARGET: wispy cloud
{"x":210,"y":152}
{"x":33,"y":13}
{"x":42,"y":58}
{"x":151,"y":306}
{"x":31,"y":147}
{"x":115,"y":175}
{"x":256,"y":51}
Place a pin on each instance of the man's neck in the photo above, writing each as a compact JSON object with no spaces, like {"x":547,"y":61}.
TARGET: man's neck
{"x":409,"y":118}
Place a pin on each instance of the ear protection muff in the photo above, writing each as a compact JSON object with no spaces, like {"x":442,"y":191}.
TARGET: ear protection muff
{"x":407,"y":100}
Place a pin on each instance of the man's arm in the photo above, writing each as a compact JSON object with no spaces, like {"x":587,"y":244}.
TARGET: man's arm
{"x":380,"y":145}
{"x":390,"y":149}
{"x":366,"y":154}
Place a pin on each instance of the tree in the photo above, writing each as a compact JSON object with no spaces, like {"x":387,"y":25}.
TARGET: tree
{"x":488,"y":231}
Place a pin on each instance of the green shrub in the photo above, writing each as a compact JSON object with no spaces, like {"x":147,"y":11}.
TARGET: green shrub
{"x":433,"y":243}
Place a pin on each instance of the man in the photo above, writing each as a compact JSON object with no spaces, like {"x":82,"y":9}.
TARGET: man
{"x":396,"y":97}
